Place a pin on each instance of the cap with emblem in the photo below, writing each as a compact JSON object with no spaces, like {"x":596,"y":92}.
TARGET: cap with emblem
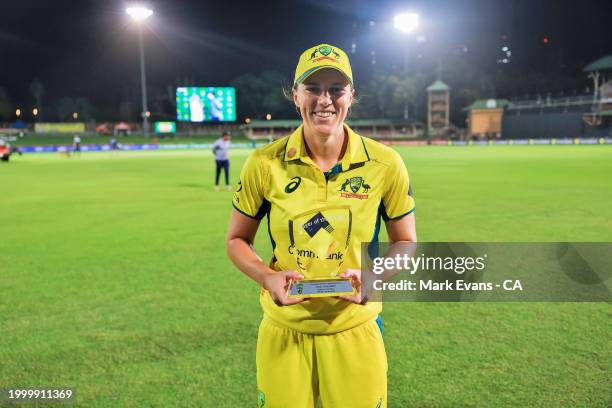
{"x":320,"y":57}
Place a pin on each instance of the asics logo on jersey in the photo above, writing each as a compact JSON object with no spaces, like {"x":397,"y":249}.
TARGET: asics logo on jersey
{"x":293,"y":185}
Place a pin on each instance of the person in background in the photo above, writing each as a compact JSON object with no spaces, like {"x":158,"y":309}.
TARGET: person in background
{"x":220,"y":148}
{"x":113,"y":143}
{"x":76,"y":144}
{"x":5,"y":151}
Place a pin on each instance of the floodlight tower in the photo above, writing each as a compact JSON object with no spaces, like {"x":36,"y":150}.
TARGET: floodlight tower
{"x":406,"y":23}
{"x":139,"y":14}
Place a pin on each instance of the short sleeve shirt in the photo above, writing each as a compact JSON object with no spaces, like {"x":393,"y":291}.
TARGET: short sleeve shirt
{"x":280,"y":181}
{"x":220,"y":148}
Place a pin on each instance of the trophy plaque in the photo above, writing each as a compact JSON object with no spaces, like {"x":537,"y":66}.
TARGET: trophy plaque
{"x":319,"y":240}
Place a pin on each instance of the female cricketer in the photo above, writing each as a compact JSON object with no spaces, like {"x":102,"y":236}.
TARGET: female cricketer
{"x":326,"y":348}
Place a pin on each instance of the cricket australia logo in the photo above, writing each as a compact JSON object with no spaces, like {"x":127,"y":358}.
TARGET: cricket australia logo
{"x":324,"y":52}
{"x":355,"y":184}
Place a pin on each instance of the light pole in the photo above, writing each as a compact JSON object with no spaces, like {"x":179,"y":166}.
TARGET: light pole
{"x":406,"y":23}
{"x":139,"y":14}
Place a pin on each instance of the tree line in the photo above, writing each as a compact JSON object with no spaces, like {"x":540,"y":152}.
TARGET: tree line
{"x":384,"y":94}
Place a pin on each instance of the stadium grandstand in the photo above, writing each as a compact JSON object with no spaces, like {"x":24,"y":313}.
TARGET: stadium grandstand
{"x":586,"y":115}
{"x":381,"y":129}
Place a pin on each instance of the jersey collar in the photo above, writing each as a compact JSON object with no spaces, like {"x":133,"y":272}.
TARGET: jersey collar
{"x":356,"y":151}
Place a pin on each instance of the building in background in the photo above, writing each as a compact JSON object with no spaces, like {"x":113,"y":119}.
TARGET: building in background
{"x":485,"y":118}
{"x":438,"y":108}
{"x":600,"y":72}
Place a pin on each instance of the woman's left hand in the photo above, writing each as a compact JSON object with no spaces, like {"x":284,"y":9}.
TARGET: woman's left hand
{"x":355,"y":276}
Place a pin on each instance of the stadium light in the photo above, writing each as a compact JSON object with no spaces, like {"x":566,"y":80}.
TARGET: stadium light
{"x":139,"y":14}
{"x":18,"y":112}
{"x":406,"y":22}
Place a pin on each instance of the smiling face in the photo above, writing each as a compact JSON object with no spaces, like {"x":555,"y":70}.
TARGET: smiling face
{"x":323,"y":100}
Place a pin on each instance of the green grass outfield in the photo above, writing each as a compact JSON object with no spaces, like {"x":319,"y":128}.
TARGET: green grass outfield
{"x":114,"y":281}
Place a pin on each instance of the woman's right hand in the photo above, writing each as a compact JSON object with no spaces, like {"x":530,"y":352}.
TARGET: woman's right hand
{"x":277,"y":283}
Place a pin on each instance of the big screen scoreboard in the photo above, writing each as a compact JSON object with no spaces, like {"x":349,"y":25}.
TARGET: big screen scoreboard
{"x":205,"y":104}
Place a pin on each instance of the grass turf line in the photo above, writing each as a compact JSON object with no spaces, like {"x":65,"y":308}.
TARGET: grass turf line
{"x":114,"y":280}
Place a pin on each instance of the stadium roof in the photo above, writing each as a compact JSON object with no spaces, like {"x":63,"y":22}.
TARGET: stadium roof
{"x":601,"y":64}
{"x":294,"y":123}
{"x":438,"y":86}
{"x":375,"y":122}
{"x":600,"y":113}
{"x":488,"y":104}
{"x":274,"y":123}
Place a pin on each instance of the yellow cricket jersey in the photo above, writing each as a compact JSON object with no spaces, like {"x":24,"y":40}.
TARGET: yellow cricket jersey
{"x":281,"y":181}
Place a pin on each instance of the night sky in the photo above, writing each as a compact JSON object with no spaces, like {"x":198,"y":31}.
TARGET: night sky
{"x":89,"y":48}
